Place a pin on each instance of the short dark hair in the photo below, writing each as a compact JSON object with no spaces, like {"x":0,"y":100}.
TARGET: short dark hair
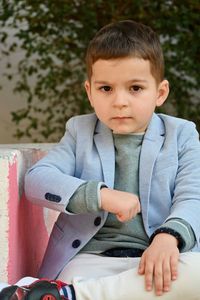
{"x":123,"y":39}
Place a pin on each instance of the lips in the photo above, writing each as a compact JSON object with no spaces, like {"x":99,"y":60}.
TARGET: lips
{"x":121,"y":118}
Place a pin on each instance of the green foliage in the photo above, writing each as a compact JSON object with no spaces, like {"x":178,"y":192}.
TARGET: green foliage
{"x":53,"y":36}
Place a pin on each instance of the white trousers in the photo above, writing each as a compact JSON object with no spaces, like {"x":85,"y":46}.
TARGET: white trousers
{"x":107,"y":278}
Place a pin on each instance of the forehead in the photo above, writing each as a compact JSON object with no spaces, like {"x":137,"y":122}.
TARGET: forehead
{"x":121,"y":69}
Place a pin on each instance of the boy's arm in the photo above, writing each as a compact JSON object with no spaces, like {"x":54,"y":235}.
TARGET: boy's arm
{"x":159,"y":263}
{"x":186,"y":192}
{"x":51,"y":182}
{"x":180,"y":229}
{"x":86,"y":199}
{"x":93,"y":196}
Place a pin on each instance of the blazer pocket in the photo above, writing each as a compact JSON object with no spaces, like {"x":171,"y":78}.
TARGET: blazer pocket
{"x":57,"y":233}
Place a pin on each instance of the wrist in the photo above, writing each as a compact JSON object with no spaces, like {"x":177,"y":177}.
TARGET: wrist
{"x":100,"y":186}
{"x":104,"y":195}
{"x":166,"y":238}
{"x":165,"y":230}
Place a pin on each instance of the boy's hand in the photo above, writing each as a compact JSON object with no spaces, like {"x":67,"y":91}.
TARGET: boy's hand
{"x":124,"y":205}
{"x":159,"y":263}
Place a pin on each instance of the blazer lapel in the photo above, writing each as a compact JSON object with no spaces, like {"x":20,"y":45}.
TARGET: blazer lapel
{"x":152,"y":143}
{"x":104,"y":143}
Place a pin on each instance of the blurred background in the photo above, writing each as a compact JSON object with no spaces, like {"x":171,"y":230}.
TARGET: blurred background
{"x":42,"y":49}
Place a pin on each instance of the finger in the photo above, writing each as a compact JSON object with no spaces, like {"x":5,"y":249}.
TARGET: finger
{"x":139,"y":208}
{"x":149,"y":269}
{"x":166,"y":276}
{"x":158,"y":277}
{"x":133,"y":213}
{"x":174,"y":267}
{"x":141,"y":267}
{"x":122,"y":217}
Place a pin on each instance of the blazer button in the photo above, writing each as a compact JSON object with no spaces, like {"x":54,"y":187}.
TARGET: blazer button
{"x":52,"y":197}
{"x":97,"y":221}
{"x":76,"y":243}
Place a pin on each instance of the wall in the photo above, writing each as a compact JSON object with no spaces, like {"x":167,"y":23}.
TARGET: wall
{"x":24,"y":227}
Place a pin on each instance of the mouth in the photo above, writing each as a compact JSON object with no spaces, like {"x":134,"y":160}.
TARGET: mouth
{"x":121,"y":118}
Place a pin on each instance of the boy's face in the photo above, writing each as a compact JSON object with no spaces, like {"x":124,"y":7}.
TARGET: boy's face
{"x":124,"y":93}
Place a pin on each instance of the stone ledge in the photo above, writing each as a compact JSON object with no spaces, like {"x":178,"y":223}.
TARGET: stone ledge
{"x":24,"y":227}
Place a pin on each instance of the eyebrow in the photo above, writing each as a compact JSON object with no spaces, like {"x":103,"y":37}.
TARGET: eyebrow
{"x":101,"y":82}
{"x":129,"y":81}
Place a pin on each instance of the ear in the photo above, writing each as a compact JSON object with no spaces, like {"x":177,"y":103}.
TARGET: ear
{"x":88,"y":91}
{"x":163,"y":92}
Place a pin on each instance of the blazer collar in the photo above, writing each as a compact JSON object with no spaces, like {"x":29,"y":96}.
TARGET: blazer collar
{"x":104,"y":142}
{"x":152,"y":143}
{"x":155,"y":129}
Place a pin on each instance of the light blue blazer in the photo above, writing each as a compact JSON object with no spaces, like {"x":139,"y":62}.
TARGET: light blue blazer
{"x":169,"y":181}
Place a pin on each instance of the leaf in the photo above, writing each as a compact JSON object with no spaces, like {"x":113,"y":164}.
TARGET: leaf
{"x":54,"y":35}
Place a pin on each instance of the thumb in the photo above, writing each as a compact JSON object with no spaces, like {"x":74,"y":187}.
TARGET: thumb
{"x":120,"y":217}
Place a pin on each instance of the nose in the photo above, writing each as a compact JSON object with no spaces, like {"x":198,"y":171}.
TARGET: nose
{"x":120,"y":100}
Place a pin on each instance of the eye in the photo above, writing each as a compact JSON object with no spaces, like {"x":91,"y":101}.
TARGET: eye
{"x":136,"y":88}
{"x":105,"y":88}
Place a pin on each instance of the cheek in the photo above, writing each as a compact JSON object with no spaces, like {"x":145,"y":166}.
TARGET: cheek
{"x":144,"y":110}
{"x":100,"y":108}
{"x":102,"y":111}
{"x":91,"y":97}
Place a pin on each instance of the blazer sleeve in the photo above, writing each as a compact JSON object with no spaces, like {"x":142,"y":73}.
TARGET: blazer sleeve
{"x":186,"y":198}
{"x":51,"y":181}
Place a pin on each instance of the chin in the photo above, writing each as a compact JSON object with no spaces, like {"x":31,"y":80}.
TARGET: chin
{"x":121,"y":131}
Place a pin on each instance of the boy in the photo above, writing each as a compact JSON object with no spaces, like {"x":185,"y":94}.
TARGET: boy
{"x":125,"y":180}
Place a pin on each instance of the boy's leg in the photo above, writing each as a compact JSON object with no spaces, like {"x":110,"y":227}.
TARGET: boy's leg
{"x":130,"y":286}
{"x":94,"y":266}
